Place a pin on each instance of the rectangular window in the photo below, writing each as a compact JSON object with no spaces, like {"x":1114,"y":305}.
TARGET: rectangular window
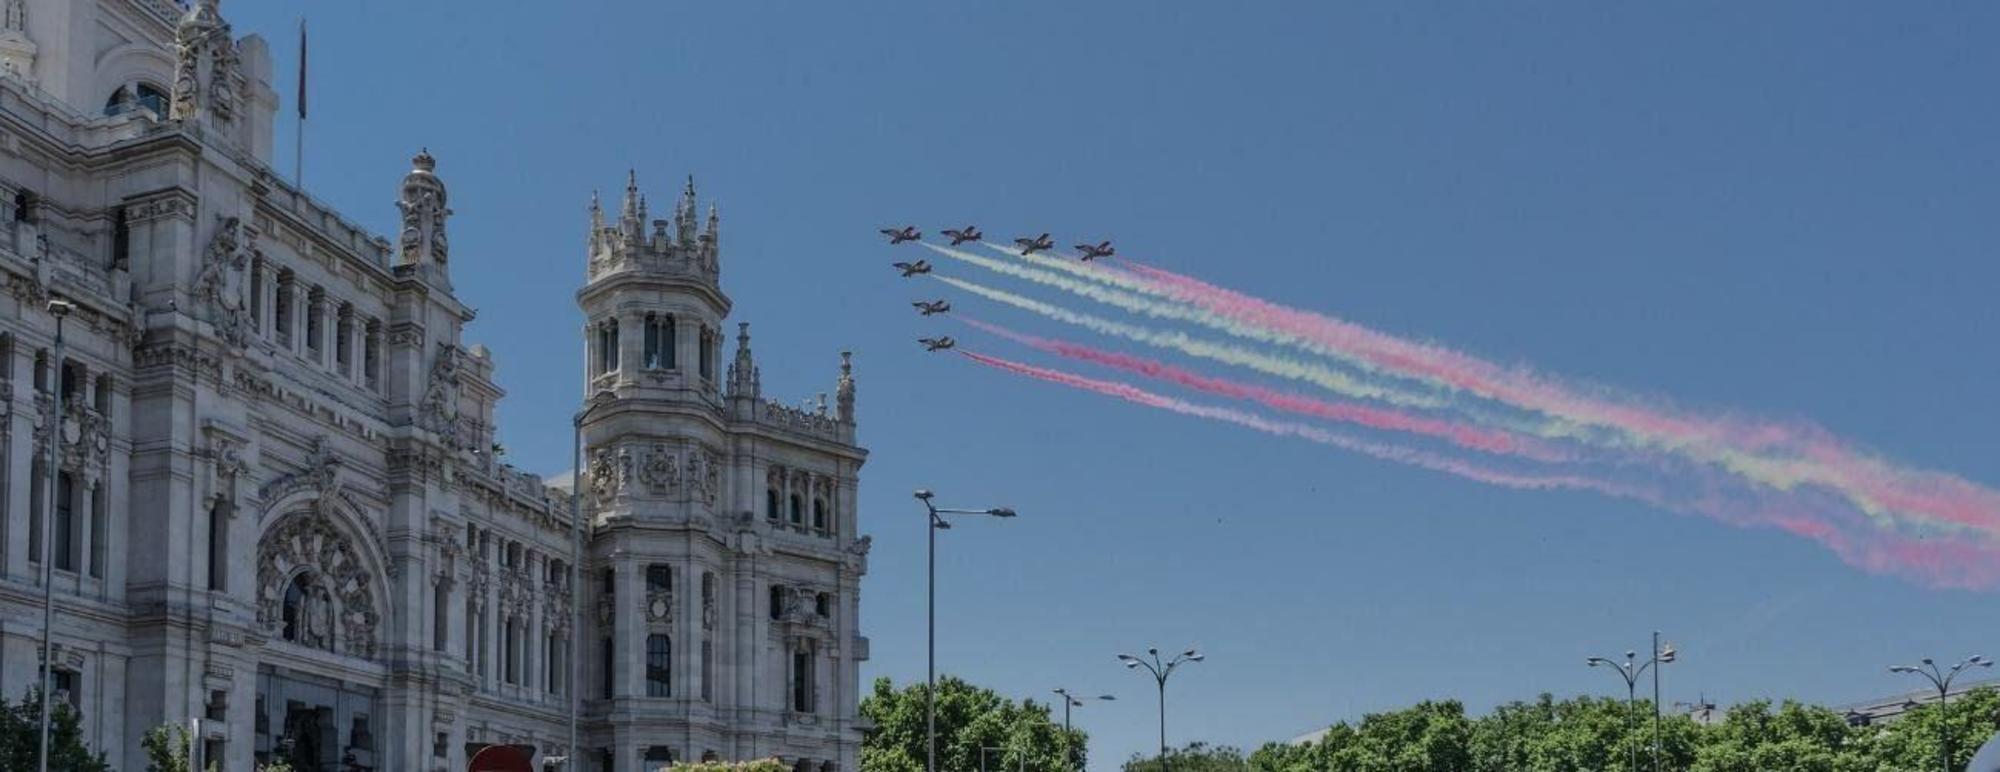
{"x":371,"y":354}
{"x":218,"y":546}
{"x":652,"y":343}
{"x":282,"y":310}
{"x":659,"y":679}
{"x":605,"y":669}
{"x":65,"y":526}
{"x":802,"y":678}
{"x":707,"y":358}
{"x":343,"y":343}
{"x":440,"y":618}
{"x":707,"y":671}
{"x":771,"y":503}
{"x":315,"y":307}
{"x":659,"y":578}
{"x":38,"y":492}
{"x":257,"y":294}
{"x":99,"y":532}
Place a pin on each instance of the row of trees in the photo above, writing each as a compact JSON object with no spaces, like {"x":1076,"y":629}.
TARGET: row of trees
{"x":1588,"y":734}
{"x":1020,"y":735}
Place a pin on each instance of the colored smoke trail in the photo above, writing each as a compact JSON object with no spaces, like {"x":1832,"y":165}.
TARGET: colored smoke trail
{"x":1472,"y":437}
{"x":1781,"y":457}
{"x":1331,"y":380}
{"x":1413,"y":457}
{"x":1946,"y":564}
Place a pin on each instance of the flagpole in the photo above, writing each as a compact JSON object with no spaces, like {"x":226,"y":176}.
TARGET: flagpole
{"x":299,"y":138}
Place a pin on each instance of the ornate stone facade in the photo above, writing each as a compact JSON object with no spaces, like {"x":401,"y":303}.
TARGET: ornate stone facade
{"x":277,"y":505}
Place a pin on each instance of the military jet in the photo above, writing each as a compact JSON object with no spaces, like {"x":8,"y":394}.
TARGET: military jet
{"x":1036,"y":244}
{"x":932,"y":307}
{"x":1090,"y":252}
{"x":908,"y":233}
{"x":937,"y":344}
{"x":912,"y":269}
{"x":960,"y":236}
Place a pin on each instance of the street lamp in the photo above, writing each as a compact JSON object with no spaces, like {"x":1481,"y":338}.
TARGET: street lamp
{"x":1073,"y":701}
{"x":1942,"y":680}
{"x":1160,"y":671}
{"x":937,"y":523}
{"x":1629,"y":671}
{"x":60,"y":309}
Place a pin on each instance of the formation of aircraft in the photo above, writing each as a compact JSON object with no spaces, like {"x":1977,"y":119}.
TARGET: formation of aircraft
{"x":1037,"y":244}
{"x":962,"y":235}
{"x":1028,"y":246}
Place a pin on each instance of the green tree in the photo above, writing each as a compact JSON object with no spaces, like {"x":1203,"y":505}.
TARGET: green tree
{"x":1794,"y":738}
{"x":167,"y":750}
{"x":759,"y":765}
{"x":968,"y":718}
{"x":1911,"y":741}
{"x":20,"y":736}
{"x":1193,"y":757}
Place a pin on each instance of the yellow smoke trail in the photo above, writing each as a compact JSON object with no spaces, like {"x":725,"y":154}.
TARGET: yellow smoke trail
{"x":1283,"y":367}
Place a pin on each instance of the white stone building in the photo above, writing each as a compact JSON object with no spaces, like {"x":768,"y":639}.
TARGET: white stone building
{"x":278,"y":506}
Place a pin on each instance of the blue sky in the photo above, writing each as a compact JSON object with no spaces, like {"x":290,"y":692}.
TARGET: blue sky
{"x":1778,"y":209}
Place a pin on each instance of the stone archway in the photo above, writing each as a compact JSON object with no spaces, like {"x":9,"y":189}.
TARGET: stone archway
{"x":334,"y":602}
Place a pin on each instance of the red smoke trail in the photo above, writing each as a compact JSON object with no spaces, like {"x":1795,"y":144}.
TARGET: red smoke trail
{"x":1939,"y":563}
{"x":1804,"y":454}
{"x":1472,"y":437}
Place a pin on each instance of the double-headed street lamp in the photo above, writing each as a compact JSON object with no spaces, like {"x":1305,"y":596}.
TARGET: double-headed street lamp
{"x":1629,"y":671}
{"x":1160,"y":671}
{"x":1071,"y":700}
{"x":937,"y":523}
{"x":1942,"y":680}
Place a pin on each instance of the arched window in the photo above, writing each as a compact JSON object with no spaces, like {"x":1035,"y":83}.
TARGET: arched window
{"x":798,"y":510}
{"x":819,"y":514}
{"x":143,"y":95}
{"x":659,"y":342}
{"x":659,"y":578}
{"x":295,"y":605}
{"x":823,"y":605}
{"x":659,"y":678}
{"x":771,"y":503}
{"x":607,"y":346}
{"x":707,"y":354}
{"x":777,"y":601}
{"x":802,"y":679}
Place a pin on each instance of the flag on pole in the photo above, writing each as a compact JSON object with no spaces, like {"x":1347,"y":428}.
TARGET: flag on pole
{"x":302,"y":69}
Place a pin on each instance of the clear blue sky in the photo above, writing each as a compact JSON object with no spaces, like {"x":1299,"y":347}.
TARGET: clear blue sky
{"x":1783,"y":209}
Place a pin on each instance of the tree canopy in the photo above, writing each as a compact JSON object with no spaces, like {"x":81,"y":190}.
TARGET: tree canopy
{"x":969,"y":718}
{"x":1588,"y":734}
{"x":20,"y":735}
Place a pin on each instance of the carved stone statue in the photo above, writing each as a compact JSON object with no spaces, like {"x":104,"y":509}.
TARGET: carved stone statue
{"x":318,"y":619}
{"x":219,"y":281}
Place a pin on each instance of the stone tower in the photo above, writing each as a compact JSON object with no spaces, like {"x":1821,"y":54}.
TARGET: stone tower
{"x":723,"y":559}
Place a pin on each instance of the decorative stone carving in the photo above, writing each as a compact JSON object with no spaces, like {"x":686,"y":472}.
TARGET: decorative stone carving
{"x":661,"y":472}
{"x":339,"y":612}
{"x":610,"y":473}
{"x":219,"y":282}
{"x":439,"y":410}
{"x":705,"y":474}
{"x":203,"y":38}
{"x":424,"y":211}
{"x":660,"y":606}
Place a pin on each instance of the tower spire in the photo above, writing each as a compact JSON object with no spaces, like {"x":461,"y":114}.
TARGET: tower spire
{"x":744,"y":380}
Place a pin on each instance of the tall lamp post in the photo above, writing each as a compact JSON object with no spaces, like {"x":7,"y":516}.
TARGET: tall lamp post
{"x":1942,"y":680}
{"x":1630,"y":671}
{"x":1071,"y":700}
{"x":937,"y":523}
{"x":1160,"y":671}
{"x":60,"y":309}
